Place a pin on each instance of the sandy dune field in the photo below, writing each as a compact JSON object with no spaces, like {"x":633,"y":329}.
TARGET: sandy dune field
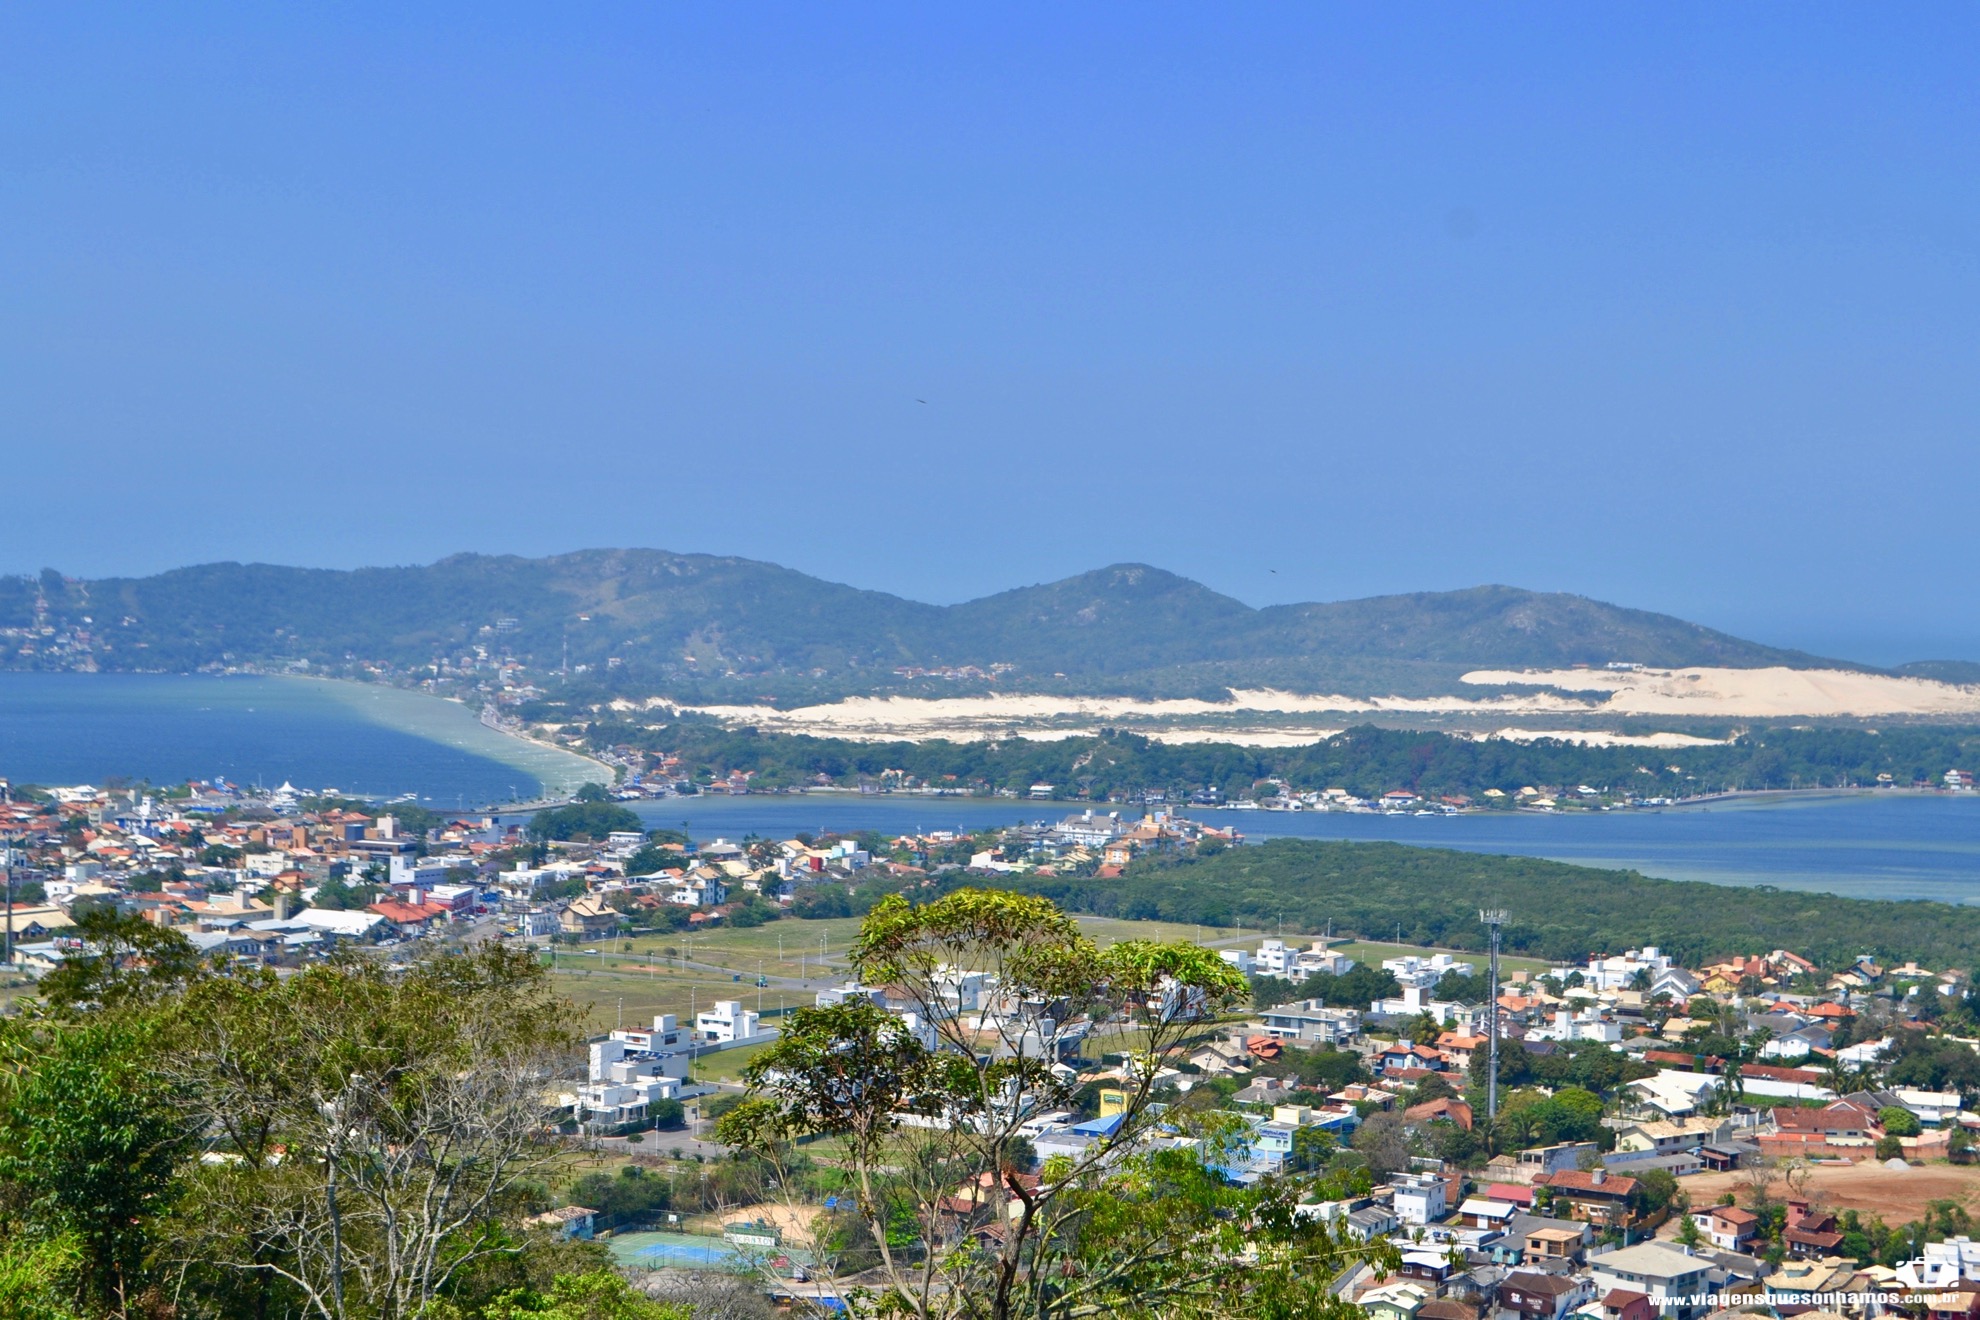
{"x":1748,"y":693}
{"x":1268,"y":718}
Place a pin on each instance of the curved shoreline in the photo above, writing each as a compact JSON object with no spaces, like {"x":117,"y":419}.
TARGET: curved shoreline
{"x":558,"y":771}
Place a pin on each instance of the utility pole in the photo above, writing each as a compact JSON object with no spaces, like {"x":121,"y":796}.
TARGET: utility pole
{"x":1493,"y":919}
{"x":7,"y":856}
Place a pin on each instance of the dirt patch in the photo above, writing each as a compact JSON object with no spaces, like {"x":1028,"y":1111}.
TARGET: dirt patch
{"x":795,"y":1221}
{"x":1896,"y":1197}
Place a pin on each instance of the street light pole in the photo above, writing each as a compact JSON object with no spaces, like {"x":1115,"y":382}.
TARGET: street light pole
{"x":9,"y":858}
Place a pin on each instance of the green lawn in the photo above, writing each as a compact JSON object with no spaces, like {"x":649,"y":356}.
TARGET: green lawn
{"x":630,"y":980}
{"x":726,"y":1066}
{"x":1373,"y":954}
{"x":612,"y":997}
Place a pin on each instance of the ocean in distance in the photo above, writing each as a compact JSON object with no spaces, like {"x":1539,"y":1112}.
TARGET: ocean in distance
{"x":360,"y":738}
{"x":379,"y":741}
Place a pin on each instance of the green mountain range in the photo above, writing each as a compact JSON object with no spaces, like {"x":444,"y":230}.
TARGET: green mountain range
{"x":715,"y":627}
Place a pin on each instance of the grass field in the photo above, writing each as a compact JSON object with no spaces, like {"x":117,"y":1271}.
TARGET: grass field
{"x":628,"y":981}
{"x":1373,"y":954}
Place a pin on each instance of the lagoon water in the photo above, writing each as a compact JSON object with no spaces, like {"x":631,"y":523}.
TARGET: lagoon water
{"x":361,"y":738}
{"x":76,"y":728}
{"x":1894,"y":845}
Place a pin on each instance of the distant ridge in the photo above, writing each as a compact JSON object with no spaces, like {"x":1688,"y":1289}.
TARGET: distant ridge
{"x":652,"y":622}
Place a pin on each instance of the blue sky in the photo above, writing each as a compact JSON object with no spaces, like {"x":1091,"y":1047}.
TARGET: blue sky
{"x":1677,"y":306}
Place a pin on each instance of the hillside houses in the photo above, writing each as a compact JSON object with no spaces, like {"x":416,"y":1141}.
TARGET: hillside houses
{"x":1624,"y":1073}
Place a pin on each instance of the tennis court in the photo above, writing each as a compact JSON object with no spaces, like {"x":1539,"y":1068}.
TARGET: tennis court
{"x":680,"y":1249}
{"x":686,"y":1251}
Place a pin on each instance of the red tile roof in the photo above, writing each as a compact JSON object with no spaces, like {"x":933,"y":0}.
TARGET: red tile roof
{"x":407,"y":913}
{"x":1579,"y":1181}
{"x":1509,"y":1193}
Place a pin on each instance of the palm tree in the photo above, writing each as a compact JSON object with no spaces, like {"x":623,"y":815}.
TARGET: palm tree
{"x":1519,"y":1128}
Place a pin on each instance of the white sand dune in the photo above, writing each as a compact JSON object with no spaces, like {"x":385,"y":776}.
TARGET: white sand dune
{"x":1597,"y":738}
{"x":1774,"y":693}
{"x":1266,"y":717}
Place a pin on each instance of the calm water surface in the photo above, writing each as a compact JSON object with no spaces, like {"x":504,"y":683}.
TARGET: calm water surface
{"x":76,"y":728}
{"x":1867,"y":846}
{"x":361,"y":738}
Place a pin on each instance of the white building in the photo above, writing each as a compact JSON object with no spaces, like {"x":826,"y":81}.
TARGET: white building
{"x":1320,"y":958}
{"x":1420,"y":1197}
{"x":666,"y":1035}
{"x":344,"y":925}
{"x":918,"y":1026}
{"x":1412,"y":971}
{"x":1087,"y":830}
{"x":1617,"y":973}
{"x":423,"y":872}
{"x":621,"y":1084}
{"x":1588,"y":1024}
{"x":725,"y":1022}
{"x":1864,"y":1054}
{"x":705,"y":891}
{"x":1469,"y":1018}
{"x":1272,"y":959}
{"x":524,"y":882}
{"x":1312,"y":1023}
{"x":1933,"y":1108}
{"x":1277,"y":958}
{"x":1678,"y":1283}
{"x":1961,"y":1253}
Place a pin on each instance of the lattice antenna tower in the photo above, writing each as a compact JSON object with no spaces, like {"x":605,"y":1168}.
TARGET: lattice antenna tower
{"x":1493,"y":918}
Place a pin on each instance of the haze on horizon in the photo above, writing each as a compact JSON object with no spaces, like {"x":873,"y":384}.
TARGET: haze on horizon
{"x":1676,"y":307}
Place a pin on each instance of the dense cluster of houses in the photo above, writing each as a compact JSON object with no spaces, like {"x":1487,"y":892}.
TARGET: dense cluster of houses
{"x":1573,"y":1227}
{"x":260,"y":879}
{"x":1106,"y":840}
{"x":241,"y":888}
{"x":1568,"y":1228}
{"x":1557,"y":1229}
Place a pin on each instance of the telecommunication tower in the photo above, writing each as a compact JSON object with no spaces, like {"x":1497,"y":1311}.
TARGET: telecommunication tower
{"x":1493,"y":919}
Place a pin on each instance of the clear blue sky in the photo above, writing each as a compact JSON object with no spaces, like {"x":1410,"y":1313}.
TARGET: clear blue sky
{"x":1677,"y":306}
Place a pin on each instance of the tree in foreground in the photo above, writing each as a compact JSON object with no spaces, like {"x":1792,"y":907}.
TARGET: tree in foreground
{"x":928,"y":1106}
{"x":372,"y":1133}
{"x":93,"y":1142}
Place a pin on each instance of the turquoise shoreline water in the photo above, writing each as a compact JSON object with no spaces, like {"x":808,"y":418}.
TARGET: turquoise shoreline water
{"x":361,"y":738}
{"x":378,"y":741}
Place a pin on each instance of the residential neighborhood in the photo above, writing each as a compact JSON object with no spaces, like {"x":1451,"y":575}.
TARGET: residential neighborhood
{"x":1663,"y":1139}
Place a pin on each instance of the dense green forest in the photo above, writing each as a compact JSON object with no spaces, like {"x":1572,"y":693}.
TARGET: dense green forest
{"x":1366,"y":761}
{"x":713,"y":627}
{"x":1432,"y":896}
{"x":353,"y":1140}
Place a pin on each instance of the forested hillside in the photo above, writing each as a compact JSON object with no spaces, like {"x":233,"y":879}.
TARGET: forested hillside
{"x":1365,"y":761}
{"x":1432,"y":896}
{"x":711,"y":627}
